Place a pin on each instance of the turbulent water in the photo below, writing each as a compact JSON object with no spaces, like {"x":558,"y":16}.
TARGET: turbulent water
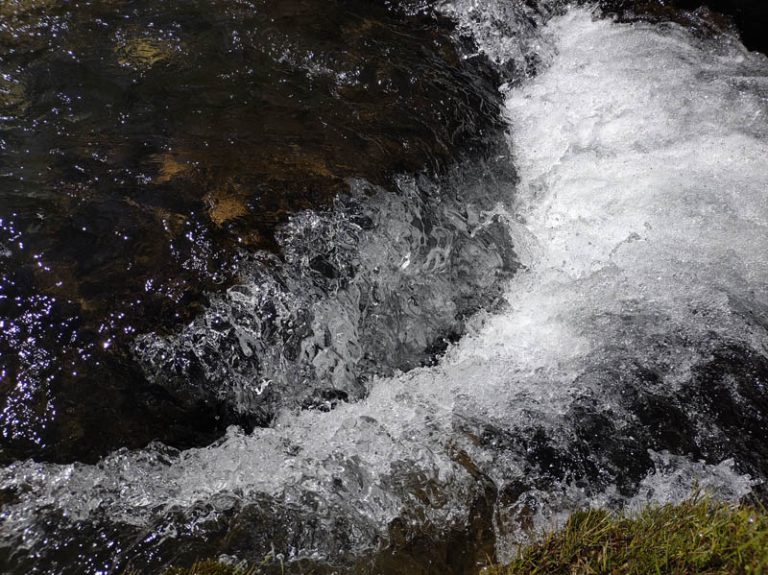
{"x":626,"y":361}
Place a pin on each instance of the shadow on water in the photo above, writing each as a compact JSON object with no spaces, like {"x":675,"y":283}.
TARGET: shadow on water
{"x":145,"y":146}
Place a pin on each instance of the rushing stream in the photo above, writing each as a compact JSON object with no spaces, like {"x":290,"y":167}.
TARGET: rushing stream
{"x":433,"y":366}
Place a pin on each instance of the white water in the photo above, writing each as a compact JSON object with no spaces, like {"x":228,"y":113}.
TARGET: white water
{"x":642,"y":219}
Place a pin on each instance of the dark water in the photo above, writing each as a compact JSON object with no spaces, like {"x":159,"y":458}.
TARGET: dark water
{"x":224,"y":223}
{"x":146,"y":146}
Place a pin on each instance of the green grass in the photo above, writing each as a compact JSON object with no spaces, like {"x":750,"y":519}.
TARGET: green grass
{"x":208,"y":567}
{"x":698,"y":537}
{"x":211,"y":568}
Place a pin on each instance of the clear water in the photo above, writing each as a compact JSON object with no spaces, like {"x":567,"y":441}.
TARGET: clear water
{"x":627,"y":364}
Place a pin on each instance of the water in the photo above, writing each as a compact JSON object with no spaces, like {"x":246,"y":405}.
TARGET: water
{"x":147,"y":148}
{"x":625,"y":362}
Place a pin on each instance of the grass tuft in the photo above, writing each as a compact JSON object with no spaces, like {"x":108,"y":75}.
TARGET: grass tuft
{"x":212,"y":567}
{"x":699,"y":537}
{"x":207,"y":567}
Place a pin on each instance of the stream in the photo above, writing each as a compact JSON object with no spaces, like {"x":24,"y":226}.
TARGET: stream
{"x":372,"y":287}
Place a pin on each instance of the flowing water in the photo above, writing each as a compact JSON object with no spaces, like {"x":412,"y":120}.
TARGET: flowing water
{"x":148,"y":148}
{"x":439,"y":364}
